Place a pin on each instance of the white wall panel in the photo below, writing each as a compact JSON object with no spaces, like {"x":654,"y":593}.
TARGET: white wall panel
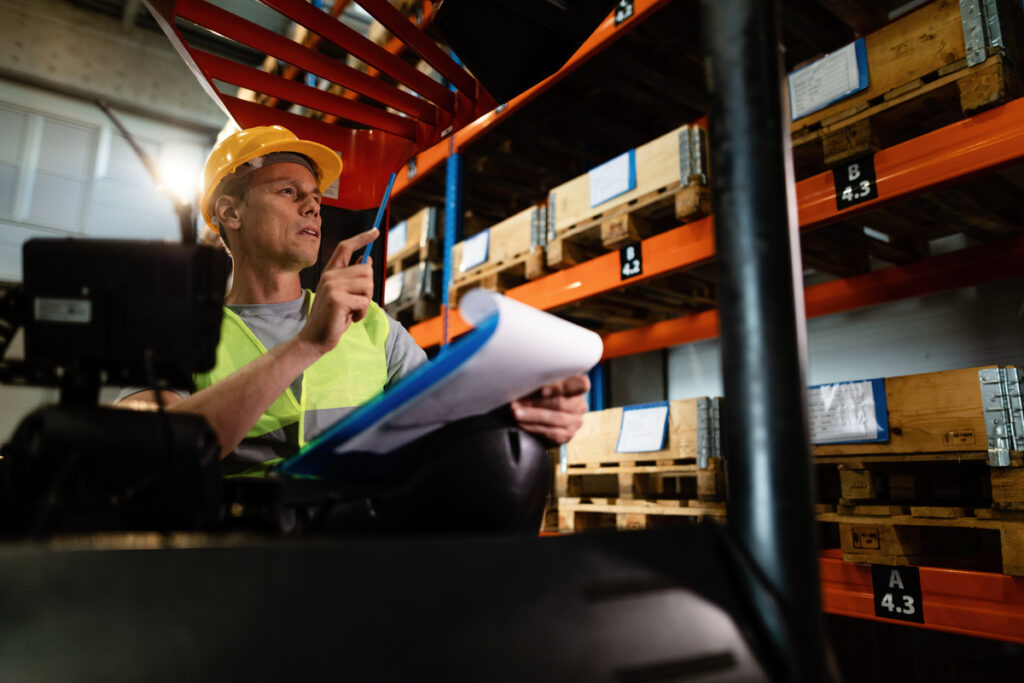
{"x":967,"y":327}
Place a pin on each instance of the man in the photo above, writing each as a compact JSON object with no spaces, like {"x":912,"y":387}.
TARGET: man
{"x":290,"y":363}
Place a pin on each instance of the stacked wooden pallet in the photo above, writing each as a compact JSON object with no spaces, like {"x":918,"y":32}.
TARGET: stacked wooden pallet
{"x":501,"y":256}
{"x":946,"y":486}
{"x":600,"y":483}
{"x":930,"y":67}
{"x":645,"y":191}
{"x":412,"y":290}
{"x":937,"y":477}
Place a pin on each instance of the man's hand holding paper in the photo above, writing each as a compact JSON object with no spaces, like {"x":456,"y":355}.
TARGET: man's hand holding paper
{"x":555,"y":411}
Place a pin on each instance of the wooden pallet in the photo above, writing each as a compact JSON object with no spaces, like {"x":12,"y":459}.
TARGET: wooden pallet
{"x":500,"y":276}
{"x":413,"y":254}
{"x":977,"y":539}
{"x":414,"y":311}
{"x":929,"y":480}
{"x":581,"y":514}
{"x":421,"y":242}
{"x":933,"y":412}
{"x":663,"y":479}
{"x":918,"y":80}
{"x":630,"y":221}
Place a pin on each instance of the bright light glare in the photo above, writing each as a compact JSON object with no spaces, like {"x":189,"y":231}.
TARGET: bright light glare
{"x":180,"y":179}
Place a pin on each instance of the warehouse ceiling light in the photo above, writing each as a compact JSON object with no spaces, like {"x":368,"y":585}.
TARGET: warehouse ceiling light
{"x":180,"y":178}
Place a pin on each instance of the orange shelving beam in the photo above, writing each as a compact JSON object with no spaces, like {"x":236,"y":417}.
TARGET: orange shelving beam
{"x":606,"y":34}
{"x":968,"y":603}
{"x":960,"y":150}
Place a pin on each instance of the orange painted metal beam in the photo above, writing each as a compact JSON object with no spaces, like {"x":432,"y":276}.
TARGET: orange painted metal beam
{"x":981,"y":143}
{"x":969,"y":603}
{"x":605,"y":35}
{"x":972,"y":266}
{"x":955,"y":152}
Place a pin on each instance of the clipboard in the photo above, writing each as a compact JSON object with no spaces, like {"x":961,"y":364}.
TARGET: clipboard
{"x":513,"y":350}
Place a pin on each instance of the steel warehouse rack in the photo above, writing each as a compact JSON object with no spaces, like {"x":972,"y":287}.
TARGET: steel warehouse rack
{"x":442,"y":139}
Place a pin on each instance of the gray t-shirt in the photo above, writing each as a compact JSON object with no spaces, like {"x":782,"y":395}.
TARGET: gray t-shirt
{"x":274,"y":324}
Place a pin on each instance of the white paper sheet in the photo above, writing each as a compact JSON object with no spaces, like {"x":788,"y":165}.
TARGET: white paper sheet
{"x":842,"y":412}
{"x":397,"y":237}
{"x":642,"y":429}
{"x":824,"y":81}
{"x":474,"y":250}
{"x":393,"y":288}
{"x":528,"y":349}
{"x":612,"y":178}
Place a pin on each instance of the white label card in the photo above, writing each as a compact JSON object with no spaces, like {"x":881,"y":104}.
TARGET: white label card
{"x":842,"y":412}
{"x":612,"y":178}
{"x":830,"y":78}
{"x":78,"y":311}
{"x":397,"y":237}
{"x":643,"y":428}
{"x":474,"y":250}
{"x":393,"y":288}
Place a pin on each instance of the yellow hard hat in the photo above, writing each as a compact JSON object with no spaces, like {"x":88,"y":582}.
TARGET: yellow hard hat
{"x":248,"y":144}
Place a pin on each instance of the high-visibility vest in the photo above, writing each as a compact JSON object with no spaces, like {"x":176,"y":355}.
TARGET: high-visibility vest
{"x":349,"y":375}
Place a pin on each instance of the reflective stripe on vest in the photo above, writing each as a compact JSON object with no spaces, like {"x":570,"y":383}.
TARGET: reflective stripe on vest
{"x":351,"y":374}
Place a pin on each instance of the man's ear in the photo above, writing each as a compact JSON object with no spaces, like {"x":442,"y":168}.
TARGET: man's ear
{"x":226,"y":211}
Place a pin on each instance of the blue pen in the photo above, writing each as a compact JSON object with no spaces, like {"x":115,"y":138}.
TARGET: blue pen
{"x":380,"y":214}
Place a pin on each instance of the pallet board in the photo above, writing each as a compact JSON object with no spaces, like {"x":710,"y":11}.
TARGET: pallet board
{"x":660,"y":199}
{"x":934,"y":412}
{"x":678,"y":480}
{"x":421,"y":241}
{"x":918,"y":76}
{"x":941,"y":479}
{"x":419,"y":295}
{"x":597,"y":438}
{"x":515,"y":255}
{"x":582,"y":514}
{"x":980,"y":540}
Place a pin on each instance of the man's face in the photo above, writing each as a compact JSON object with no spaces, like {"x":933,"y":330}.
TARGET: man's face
{"x":280,"y":218}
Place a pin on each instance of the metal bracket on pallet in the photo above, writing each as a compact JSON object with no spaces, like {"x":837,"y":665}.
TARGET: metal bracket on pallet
{"x":693,"y":156}
{"x":709,"y":430}
{"x":1004,"y":412}
{"x":982,"y":29}
{"x":431,"y":232}
{"x":426,"y":283}
{"x":538,"y":227}
{"x":551,"y":218}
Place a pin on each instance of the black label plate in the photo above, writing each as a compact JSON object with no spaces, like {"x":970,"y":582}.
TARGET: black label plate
{"x":631,"y":261}
{"x":855,"y":182}
{"x":897,"y":593}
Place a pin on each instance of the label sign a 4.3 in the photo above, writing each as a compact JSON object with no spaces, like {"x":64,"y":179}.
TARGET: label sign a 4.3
{"x":897,"y":593}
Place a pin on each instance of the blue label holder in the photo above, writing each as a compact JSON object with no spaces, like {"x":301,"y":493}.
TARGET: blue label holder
{"x":641,"y":406}
{"x":860,"y":48}
{"x":881,"y":408}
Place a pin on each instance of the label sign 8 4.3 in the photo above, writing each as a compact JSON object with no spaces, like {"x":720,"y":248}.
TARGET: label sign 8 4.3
{"x":855,"y":182}
{"x":897,"y":592}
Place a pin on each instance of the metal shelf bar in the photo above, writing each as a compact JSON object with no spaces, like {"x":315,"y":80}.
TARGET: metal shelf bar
{"x":298,"y":93}
{"x":606,"y":34}
{"x":968,"y":603}
{"x":407,"y":32}
{"x":365,"y":49}
{"x":972,"y":266}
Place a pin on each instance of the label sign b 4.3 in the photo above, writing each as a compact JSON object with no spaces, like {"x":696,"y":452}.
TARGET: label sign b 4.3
{"x":855,"y":182}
